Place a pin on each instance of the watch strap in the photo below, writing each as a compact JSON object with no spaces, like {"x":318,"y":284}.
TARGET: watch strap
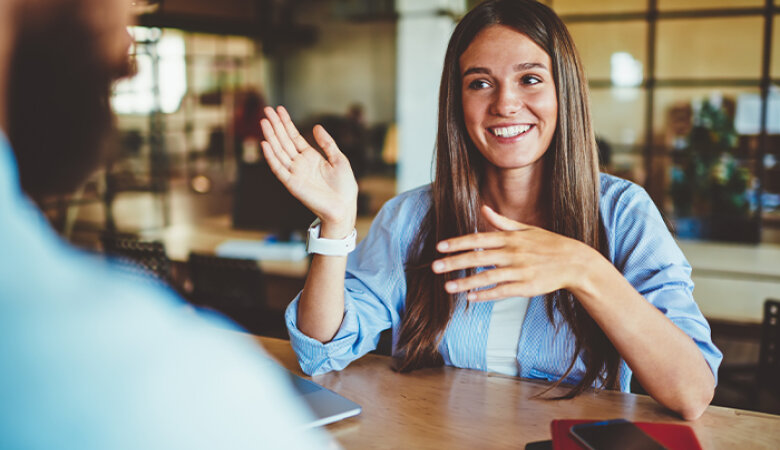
{"x":329,"y":247}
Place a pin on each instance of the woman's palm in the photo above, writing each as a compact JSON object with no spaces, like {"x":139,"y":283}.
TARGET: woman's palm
{"x":326,"y":184}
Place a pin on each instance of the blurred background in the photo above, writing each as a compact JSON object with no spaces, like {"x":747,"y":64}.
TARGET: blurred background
{"x":685,"y":102}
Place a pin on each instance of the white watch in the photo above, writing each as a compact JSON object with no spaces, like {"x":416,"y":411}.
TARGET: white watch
{"x":329,"y":247}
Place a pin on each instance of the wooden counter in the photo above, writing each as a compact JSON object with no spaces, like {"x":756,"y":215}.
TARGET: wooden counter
{"x":733,"y":280}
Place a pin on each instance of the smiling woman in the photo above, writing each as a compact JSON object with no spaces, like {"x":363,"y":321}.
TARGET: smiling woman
{"x":520,"y":257}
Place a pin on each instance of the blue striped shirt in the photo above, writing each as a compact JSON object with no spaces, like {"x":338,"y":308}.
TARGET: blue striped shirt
{"x":640,"y":246}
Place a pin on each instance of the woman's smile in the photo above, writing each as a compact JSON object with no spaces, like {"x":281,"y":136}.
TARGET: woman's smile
{"x":510,"y":133}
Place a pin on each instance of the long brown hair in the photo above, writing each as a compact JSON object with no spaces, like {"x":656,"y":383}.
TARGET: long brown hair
{"x":571,"y":165}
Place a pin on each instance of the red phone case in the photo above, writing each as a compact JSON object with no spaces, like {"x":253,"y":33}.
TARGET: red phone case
{"x":671,"y":435}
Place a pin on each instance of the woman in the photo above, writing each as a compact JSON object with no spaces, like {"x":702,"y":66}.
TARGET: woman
{"x":519,"y":258}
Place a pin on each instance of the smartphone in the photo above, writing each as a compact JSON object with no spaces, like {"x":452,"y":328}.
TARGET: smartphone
{"x":539,"y":445}
{"x":618,"y":434}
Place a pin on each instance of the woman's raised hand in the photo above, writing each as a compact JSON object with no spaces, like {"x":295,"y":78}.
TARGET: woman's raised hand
{"x":527,"y":260}
{"x":325,"y":185}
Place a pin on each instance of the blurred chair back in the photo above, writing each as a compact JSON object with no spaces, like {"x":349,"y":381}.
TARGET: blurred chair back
{"x":236,"y":288}
{"x":759,"y":383}
{"x":769,"y":353}
{"x":146,"y":259}
{"x":218,"y":281}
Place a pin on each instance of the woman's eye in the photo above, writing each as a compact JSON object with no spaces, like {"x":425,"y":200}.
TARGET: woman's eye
{"x":478,"y":84}
{"x":531,"y":79}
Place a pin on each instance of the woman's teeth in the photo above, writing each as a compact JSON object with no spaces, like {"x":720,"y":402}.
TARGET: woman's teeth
{"x":507,"y":132}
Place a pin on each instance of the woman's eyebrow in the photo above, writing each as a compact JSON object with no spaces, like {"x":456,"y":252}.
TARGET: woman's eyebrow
{"x":528,"y":66}
{"x":471,"y":70}
{"x":522,"y":67}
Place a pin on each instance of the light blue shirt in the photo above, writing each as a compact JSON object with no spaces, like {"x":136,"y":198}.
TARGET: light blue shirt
{"x":91,"y":360}
{"x":640,"y":246}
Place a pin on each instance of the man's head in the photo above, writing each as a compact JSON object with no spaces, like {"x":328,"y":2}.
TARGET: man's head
{"x":66,"y":55}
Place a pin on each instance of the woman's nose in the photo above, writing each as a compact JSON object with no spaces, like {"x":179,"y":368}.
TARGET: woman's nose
{"x":507,"y":102}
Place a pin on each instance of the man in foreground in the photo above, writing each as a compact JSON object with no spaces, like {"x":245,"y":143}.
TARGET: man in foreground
{"x":89,"y":359}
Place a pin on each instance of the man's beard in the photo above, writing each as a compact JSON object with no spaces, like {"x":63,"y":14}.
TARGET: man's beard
{"x":59,"y":113}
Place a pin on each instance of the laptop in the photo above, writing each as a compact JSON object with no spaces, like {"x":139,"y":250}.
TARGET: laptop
{"x":326,"y":406}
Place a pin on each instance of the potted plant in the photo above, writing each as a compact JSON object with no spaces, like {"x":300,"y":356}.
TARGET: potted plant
{"x":709,"y":184}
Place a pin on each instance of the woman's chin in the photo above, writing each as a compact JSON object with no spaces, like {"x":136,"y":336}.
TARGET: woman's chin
{"x":516,"y":163}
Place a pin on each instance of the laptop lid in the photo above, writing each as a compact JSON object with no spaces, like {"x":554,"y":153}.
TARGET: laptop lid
{"x":326,"y":405}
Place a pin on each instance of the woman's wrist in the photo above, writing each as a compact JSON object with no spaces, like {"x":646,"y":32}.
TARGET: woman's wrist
{"x":331,"y":229}
{"x":589,"y":274}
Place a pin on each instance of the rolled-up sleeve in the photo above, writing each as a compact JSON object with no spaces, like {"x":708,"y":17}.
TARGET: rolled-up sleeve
{"x":374,"y":289}
{"x":650,"y":259}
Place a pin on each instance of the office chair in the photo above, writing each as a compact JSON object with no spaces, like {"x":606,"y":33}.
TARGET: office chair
{"x":236,"y":288}
{"x":758,"y":380}
{"x":146,"y":260}
{"x":768,"y":374}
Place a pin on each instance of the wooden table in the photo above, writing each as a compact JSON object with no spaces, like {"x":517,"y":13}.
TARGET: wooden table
{"x":458,"y":408}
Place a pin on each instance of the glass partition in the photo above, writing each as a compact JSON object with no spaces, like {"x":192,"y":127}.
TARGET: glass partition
{"x":564,"y":7}
{"x":598,"y":43}
{"x":709,"y":48}
{"x":678,"y":5}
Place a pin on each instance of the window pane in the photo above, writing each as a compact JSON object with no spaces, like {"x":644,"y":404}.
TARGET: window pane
{"x":676,"y":5}
{"x":619,"y":115}
{"x":203,"y":44}
{"x":136,"y":95}
{"x":771,"y":162}
{"x":619,"y":122}
{"x":710,"y":48}
{"x":775,"y":62}
{"x":598,"y":42}
{"x":597,"y":6}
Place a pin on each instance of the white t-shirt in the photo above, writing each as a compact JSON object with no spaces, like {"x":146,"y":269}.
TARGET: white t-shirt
{"x":506,"y":323}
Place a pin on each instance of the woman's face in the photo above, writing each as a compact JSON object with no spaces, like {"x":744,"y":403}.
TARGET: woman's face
{"x":509,"y":102}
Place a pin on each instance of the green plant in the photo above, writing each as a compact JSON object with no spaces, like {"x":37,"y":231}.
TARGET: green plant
{"x":707,"y":180}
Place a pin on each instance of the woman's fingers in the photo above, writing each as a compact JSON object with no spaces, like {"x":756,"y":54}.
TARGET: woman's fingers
{"x":522,"y":255}
{"x":273,"y":143}
{"x":270,"y":136}
{"x":278,"y":166}
{"x":470,"y":260}
{"x":279,"y":132}
{"x":484,"y":279}
{"x":506,"y":290}
{"x":283,"y":136}
{"x":501,"y":222}
{"x":494,"y":239}
{"x":292,"y":131}
{"x":326,"y":142}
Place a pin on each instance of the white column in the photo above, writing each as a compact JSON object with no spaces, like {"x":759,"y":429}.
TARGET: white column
{"x":424,"y":28}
